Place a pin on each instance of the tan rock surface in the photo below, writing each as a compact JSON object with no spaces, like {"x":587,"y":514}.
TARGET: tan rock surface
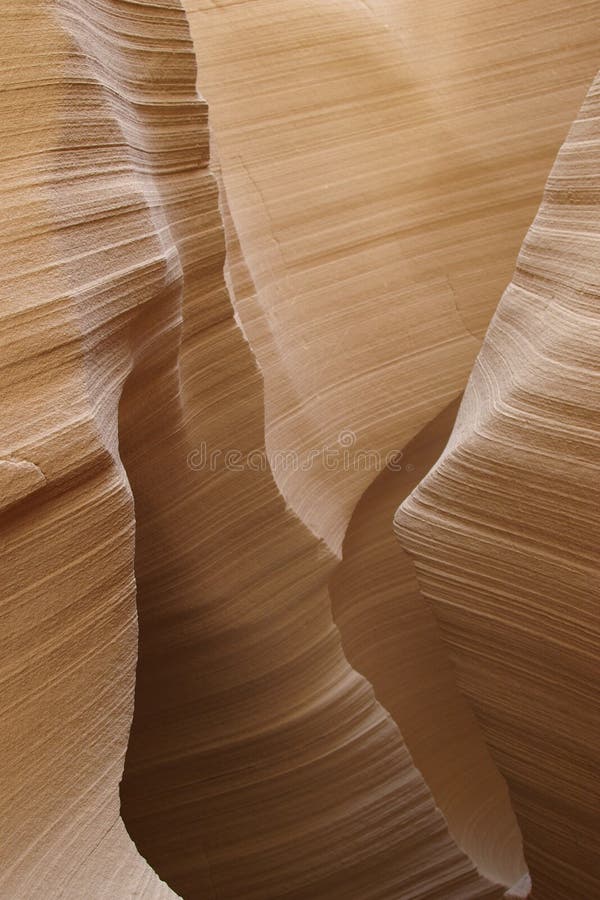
{"x":260,"y":764}
{"x":374,"y":183}
{"x":505,"y":530}
{"x":382,"y":162}
{"x":389,"y":634}
{"x":113,"y":239}
{"x":79,"y":254}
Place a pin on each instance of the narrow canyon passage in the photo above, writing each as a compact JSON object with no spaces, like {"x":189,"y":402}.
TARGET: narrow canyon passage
{"x":244,"y":239}
{"x":390,"y":635}
{"x":254,"y":745}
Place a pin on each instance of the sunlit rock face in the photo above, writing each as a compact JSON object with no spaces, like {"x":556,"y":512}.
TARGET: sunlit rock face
{"x":228,"y":355}
{"x":382,"y":162}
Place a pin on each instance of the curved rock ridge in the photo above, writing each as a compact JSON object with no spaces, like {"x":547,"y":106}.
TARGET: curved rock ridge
{"x":505,"y":530}
{"x":80,"y":254}
{"x":144,"y":307}
{"x":255,"y":747}
{"x":260,"y":764}
{"x":382,"y":162}
{"x":390,"y":635}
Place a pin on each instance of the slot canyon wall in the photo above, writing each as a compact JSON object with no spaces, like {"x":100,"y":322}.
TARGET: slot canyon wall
{"x":250,"y":254}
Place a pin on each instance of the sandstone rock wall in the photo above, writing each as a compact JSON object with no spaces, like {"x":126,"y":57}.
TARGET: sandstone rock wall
{"x":310,"y":280}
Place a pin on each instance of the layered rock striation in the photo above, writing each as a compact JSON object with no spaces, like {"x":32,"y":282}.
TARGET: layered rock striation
{"x":504,"y":529}
{"x":195,"y":325}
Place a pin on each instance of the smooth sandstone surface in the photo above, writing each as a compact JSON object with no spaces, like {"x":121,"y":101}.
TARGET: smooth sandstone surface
{"x":505,"y":530}
{"x":299,"y":731}
{"x":390,"y":635}
{"x":260,"y":764}
{"x":382,"y":162}
{"x":80,"y":254}
{"x":116,"y":241}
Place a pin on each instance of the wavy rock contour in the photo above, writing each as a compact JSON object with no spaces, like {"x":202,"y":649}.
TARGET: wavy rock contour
{"x":505,"y":532}
{"x":267,"y":755}
{"x":382,"y":162}
{"x":80,"y":255}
